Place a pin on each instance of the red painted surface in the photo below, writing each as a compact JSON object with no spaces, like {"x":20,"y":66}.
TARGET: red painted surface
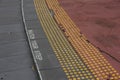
{"x":99,"y":21}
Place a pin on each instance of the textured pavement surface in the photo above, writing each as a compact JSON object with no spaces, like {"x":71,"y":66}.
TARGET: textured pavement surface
{"x":98,"y":20}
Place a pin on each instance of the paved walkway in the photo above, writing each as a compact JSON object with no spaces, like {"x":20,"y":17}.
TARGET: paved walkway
{"x":38,"y":40}
{"x":60,"y":29}
{"x":98,"y":20}
{"x":16,"y":61}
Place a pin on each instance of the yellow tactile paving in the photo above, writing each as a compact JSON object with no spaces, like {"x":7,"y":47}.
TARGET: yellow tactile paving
{"x":96,"y":62}
{"x":71,"y":63}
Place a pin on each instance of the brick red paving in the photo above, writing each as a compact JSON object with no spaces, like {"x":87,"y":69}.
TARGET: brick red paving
{"x":99,"y":21}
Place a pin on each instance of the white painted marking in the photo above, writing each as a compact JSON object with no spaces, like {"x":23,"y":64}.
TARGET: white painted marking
{"x":31,"y":34}
{"x":23,"y":15}
{"x":38,"y":55}
{"x":34,"y":44}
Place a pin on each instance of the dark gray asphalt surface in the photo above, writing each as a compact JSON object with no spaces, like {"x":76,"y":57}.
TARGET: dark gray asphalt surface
{"x":15,"y":55}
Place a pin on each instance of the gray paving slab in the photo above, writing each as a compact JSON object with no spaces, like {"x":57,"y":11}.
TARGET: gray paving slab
{"x":8,"y":4}
{"x":37,"y":33}
{"x":11,"y":28}
{"x":14,"y":48}
{"x":14,"y":62}
{"x":7,"y":21}
{"x":29,"y":2}
{"x":11,"y":36}
{"x":29,"y":8}
{"x":20,"y":74}
{"x":33,"y":24}
{"x":15,"y":56}
{"x":53,"y":74}
{"x":44,"y":46}
{"x":49,"y":59}
{"x":8,"y":1}
{"x":30,"y":16}
{"x":10,"y":12}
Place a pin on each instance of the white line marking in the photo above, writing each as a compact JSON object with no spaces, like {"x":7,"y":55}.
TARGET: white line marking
{"x":31,"y":34}
{"x":34,"y":44}
{"x":38,"y":55}
{"x":23,"y":15}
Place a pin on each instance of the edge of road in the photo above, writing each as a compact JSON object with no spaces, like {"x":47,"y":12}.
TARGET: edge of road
{"x":30,"y":45}
{"x":41,"y":50}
